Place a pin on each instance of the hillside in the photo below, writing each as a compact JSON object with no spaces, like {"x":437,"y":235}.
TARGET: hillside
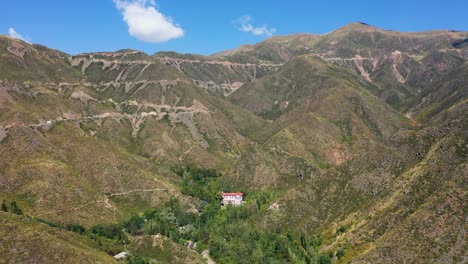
{"x":349,"y":146}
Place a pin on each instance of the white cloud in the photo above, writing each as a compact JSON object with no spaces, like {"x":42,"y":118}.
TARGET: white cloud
{"x":12,"y":32}
{"x":146,"y":23}
{"x":245,"y":26}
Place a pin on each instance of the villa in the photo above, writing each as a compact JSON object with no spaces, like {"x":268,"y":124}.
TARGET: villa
{"x":232,"y":198}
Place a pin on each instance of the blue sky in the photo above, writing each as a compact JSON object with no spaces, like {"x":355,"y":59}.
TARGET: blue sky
{"x":208,"y":26}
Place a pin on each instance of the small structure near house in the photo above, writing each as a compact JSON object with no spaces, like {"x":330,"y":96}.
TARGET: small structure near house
{"x":232,"y":198}
{"x":121,"y":255}
{"x":190,"y":244}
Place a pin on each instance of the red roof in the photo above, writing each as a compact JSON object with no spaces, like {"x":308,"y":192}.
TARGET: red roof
{"x":233,"y":194}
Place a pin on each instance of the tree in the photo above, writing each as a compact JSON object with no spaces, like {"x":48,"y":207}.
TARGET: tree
{"x":4,"y":206}
{"x":341,"y":230}
{"x":15,"y":209}
{"x":325,"y":259}
{"x":76,"y":228}
{"x":134,"y":224}
{"x":340,"y":253}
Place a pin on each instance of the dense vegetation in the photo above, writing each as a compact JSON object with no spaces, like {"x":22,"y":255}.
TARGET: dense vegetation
{"x":228,"y":232}
{"x":199,"y":182}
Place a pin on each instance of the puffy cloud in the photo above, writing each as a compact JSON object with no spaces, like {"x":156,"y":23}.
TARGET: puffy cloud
{"x":246,"y":26}
{"x":12,"y":32}
{"x":146,"y":23}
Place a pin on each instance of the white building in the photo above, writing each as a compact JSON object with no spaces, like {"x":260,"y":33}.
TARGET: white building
{"x":232,"y":198}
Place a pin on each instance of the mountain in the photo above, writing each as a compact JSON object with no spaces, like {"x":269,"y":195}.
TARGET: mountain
{"x":357,"y":136}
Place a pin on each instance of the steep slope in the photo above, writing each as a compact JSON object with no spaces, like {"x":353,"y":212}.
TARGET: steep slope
{"x":442,"y":94}
{"x":21,"y":61}
{"x":420,"y":217}
{"x":321,"y":116}
{"x":151,"y":91}
{"x":400,"y":65}
{"x":22,"y":241}
{"x":341,"y":149}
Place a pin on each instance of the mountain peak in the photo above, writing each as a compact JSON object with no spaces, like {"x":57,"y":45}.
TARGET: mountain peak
{"x":357,"y":26}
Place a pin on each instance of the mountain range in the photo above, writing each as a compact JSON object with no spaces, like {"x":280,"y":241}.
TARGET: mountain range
{"x":359,"y":136}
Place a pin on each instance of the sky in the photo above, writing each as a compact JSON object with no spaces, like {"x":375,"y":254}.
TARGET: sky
{"x":208,"y":26}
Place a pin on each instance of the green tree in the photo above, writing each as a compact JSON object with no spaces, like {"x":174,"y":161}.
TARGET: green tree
{"x":4,"y":206}
{"x":340,"y":253}
{"x":341,"y":230}
{"x":325,"y":259}
{"x":75,"y":228}
{"x":15,"y":208}
{"x":134,"y":224}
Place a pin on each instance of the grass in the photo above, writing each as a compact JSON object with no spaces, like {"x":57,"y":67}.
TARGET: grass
{"x":40,"y":243}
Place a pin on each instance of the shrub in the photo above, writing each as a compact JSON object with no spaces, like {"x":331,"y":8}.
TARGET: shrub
{"x":134,"y":224}
{"x":325,"y":259}
{"x":112,"y":231}
{"x":340,"y":253}
{"x":76,"y":228}
{"x":15,"y":208}
{"x":341,"y":230}
{"x":4,"y":206}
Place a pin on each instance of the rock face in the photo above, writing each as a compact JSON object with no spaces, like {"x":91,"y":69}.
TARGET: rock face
{"x":362,"y":128}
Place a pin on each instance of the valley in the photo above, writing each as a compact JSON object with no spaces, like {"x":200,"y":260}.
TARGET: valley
{"x":350,"y":147}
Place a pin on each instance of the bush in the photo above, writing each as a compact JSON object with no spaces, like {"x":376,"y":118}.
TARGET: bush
{"x":341,"y":230}
{"x":76,"y":228}
{"x":15,"y":208}
{"x":4,"y":206}
{"x":134,"y":224}
{"x":112,"y":231}
{"x":340,"y":253}
{"x":325,"y":260}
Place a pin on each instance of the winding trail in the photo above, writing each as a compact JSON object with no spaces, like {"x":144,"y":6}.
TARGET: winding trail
{"x":106,"y":200}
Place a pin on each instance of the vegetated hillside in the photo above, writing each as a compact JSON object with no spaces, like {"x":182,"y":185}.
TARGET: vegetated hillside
{"x":21,"y":61}
{"x":114,"y":136}
{"x":350,"y":146}
{"x":400,"y":65}
{"x":322,"y":117}
{"x":26,"y":241}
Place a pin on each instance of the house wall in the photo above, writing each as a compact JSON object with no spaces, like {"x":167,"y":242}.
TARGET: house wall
{"x":229,"y":199}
